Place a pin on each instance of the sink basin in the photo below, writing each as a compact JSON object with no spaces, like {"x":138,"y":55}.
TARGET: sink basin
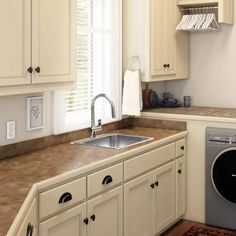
{"x":115,"y":141}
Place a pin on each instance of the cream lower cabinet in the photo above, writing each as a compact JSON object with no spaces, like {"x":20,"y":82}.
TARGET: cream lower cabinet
{"x":99,"y":216}
{"x":164,"y":197}
{"x":180,"y":187}
{"x":105,"y":214}
{"x":138,"y":200}
{"x":138,"y":206}
{"x":70,"y":222}
{"x":29,"y":224}
{"x":149,"y":202}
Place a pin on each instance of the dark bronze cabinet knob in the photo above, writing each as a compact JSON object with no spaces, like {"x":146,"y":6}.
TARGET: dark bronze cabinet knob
{"x":86,"y":221}
{"x":93,"y":217}
{"x":152,"y":186}
{"x":37,"y":69}
{"x":30,"y":70}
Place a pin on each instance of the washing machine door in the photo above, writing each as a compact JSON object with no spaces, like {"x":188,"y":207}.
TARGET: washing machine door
{"x":223,"y":174}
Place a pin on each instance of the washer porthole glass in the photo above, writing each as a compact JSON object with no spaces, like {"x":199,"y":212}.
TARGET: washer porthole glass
{"x":224,"y":175}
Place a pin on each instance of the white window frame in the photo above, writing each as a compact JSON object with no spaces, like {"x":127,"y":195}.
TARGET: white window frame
{"x":58,"y":97}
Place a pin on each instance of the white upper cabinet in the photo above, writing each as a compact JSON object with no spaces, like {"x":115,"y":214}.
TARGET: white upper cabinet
{"x":15,"y":44}
{"x":150,"y":34}
{"x":163,"y":45}
{"x":53,"y":40}
{"x":38,"y":44}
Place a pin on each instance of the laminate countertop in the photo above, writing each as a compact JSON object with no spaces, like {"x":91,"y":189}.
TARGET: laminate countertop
{"x":19,"y":174}
{"x":198,"y":113}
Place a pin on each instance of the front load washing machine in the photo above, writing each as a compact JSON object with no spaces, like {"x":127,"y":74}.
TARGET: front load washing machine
{"x":221,"y":177}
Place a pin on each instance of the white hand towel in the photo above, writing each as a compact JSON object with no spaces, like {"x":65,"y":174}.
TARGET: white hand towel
{"x":132,"y":94}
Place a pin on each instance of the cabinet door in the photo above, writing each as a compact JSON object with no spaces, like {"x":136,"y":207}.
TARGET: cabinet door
{"x":53,"y":41}
{"x":180,"y":187}
{"x":169,"y":9}
{"x":67,"y":223}
{"x":138,"y":205}
{"x":157,"y":49}
{"x":163,"y":23}
{"x":15,"y":42}
{"x":105,"y":214}
{"x":164,"y":197}
{"x":29,"y":225}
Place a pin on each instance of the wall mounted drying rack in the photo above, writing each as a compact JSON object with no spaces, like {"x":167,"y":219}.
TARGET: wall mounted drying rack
{"x":200,"y":9}
{"x":199,"y":19}
{"x":223,"y":9}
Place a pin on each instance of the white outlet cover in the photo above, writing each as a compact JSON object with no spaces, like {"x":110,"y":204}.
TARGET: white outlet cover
{"x":11,"y":130}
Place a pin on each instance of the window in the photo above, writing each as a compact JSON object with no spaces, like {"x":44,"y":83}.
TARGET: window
{"x":98,"y":66}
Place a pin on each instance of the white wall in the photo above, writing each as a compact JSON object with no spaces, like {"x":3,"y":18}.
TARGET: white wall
{"x":157,"y":87}
{"x":213,"y":69}
{"x":14,"y":108}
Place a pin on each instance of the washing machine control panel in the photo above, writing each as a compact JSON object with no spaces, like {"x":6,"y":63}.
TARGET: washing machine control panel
{"x":221,"y":139}
{"x":219,"y":135}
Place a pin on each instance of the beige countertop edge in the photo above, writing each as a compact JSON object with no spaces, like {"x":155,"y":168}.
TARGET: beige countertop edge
{"x":38,"y":187}
{"x":184,"y":117}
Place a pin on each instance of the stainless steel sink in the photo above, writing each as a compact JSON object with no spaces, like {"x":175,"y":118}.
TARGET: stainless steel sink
{"x":115,"y":141}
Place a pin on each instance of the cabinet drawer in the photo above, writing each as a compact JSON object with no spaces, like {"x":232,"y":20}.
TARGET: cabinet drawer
{"x":104,"y":179}
{"x":61,"y":197}
{"x":148,"y":161}
{"x":180,"y":147}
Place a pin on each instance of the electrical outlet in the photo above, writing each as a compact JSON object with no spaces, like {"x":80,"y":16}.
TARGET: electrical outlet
{"x":11,"y":129}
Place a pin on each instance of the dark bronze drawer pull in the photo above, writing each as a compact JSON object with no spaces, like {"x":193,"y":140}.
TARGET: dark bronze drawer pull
{"x":107,"y":180}
{"x":30,"y":230}
{"x":65,"y":197}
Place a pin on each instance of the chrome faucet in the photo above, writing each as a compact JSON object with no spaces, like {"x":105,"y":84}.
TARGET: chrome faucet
{"x":95,"y":128}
